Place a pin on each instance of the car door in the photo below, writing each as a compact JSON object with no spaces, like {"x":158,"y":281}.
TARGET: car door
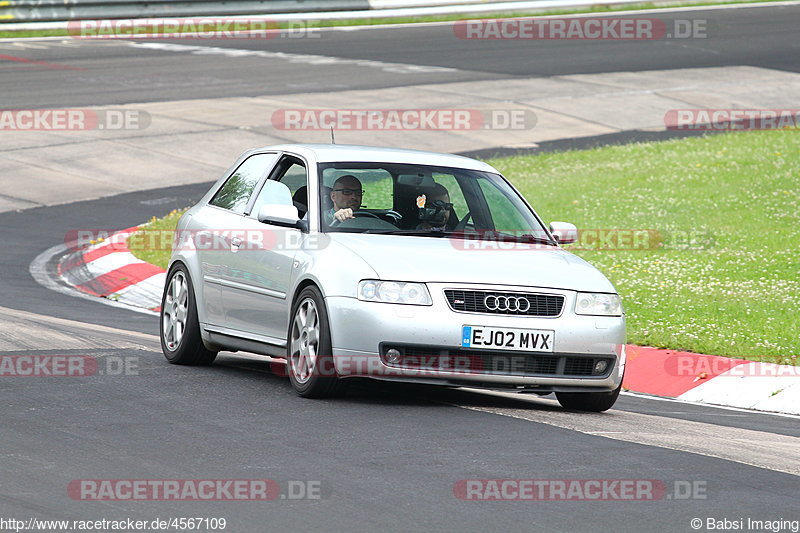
{"x":259,"y":302}
{"x":214,"y":227}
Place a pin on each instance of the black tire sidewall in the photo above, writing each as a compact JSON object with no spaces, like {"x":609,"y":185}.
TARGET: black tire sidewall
{"x":596,"y":402}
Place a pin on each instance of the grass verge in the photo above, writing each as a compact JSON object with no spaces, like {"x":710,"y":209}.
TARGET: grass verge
{"x":724,"y":280}
{"x":721,"y":277}
{"x":154,"y":243}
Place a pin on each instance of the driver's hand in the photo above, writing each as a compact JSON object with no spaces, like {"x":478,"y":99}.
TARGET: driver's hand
{"x":343,"y":214}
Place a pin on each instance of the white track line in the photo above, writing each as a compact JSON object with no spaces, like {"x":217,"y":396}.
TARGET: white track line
{"x":38,"y":269}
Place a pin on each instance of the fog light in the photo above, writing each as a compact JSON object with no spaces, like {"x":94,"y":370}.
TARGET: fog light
{"x":600,"y":366}
{"x":393,"y":356}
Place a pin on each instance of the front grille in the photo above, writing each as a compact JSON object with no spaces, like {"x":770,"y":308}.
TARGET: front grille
{"x":475,"y":302}
{"x":496,"y":362}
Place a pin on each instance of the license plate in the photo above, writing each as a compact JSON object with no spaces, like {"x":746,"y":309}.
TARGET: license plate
{"x":520,"y":340}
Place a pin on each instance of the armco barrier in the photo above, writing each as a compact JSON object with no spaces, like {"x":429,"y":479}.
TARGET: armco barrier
{"x":52,"y":10}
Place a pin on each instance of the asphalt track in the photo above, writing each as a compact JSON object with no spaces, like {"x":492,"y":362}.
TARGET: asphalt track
{"x":116,"y":72}
{"x":386,"y":457}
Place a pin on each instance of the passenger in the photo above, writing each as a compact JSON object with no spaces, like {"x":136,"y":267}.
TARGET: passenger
{"x":438,"y":200}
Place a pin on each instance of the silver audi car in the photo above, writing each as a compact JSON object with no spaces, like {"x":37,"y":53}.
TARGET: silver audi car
{"x":402,"y":265}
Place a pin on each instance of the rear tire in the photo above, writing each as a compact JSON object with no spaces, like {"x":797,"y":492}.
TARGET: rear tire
{"x":309,"y":356}
{"x":181,"y":341}
{"x":595,"y":402}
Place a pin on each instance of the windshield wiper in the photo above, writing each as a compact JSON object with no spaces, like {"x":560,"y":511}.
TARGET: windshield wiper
{"x":534,"y":240}
{"x":495,"y":236}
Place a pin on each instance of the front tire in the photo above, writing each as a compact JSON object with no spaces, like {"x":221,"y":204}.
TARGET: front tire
{"x":595,"y":402}
{"x":181,"y":341}
{"x":309,"y":356}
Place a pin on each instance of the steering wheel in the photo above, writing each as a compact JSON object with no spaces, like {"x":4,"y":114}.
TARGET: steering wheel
{"x":356,"y":214}
{"x":391,"y":213}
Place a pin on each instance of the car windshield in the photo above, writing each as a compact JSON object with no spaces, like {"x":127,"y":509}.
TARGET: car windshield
{"x":405,"y":199}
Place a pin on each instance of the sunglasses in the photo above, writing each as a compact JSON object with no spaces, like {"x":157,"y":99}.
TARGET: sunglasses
{"x":350,"y":192}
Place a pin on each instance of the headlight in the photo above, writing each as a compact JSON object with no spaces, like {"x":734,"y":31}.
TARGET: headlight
{"x":596,"y":303}
{"x":394,"y":292}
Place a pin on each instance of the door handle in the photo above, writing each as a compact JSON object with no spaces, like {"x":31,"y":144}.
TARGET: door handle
{"x":236,"y":242}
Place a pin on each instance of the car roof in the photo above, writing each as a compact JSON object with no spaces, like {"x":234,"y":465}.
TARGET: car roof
{"x":328,"y":153}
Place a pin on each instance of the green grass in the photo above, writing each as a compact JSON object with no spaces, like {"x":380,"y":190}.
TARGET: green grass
{"x":23,"y":34}
{"x":153,"y":243}
{"x":734,"y":289}
{"x":441,"y":18}
{"x":735,"y":292}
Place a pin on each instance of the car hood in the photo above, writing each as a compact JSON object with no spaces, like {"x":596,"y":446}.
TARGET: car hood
{"x":446,"y":260}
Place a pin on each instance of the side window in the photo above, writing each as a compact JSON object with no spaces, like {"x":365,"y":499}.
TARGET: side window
{"x":294,"y":177}
{"x":236,"y":191}
{"x":292,"y":173}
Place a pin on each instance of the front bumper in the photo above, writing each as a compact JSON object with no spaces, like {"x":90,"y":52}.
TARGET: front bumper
{"x":362,"y":332}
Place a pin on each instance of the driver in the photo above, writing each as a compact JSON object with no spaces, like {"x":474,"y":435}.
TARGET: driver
{"x":346,"y":197}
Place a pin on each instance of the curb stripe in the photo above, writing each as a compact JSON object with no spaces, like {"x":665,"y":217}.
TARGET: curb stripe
{"x":111,"y":262}
{"x":670,"y":372}
{"x":117,"y":242}
{"x":111,"y":282}
{"x":69,"y":263}
{"x":146,"y":293}
{"x":760,"y":386}
{"x":96,"y":253}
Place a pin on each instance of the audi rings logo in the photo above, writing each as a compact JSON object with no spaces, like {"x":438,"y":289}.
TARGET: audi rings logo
{"x":515,"y":304}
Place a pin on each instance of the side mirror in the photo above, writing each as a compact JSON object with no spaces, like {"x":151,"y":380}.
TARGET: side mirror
{"x":564,"y":232}
{"x":278,"y":207}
